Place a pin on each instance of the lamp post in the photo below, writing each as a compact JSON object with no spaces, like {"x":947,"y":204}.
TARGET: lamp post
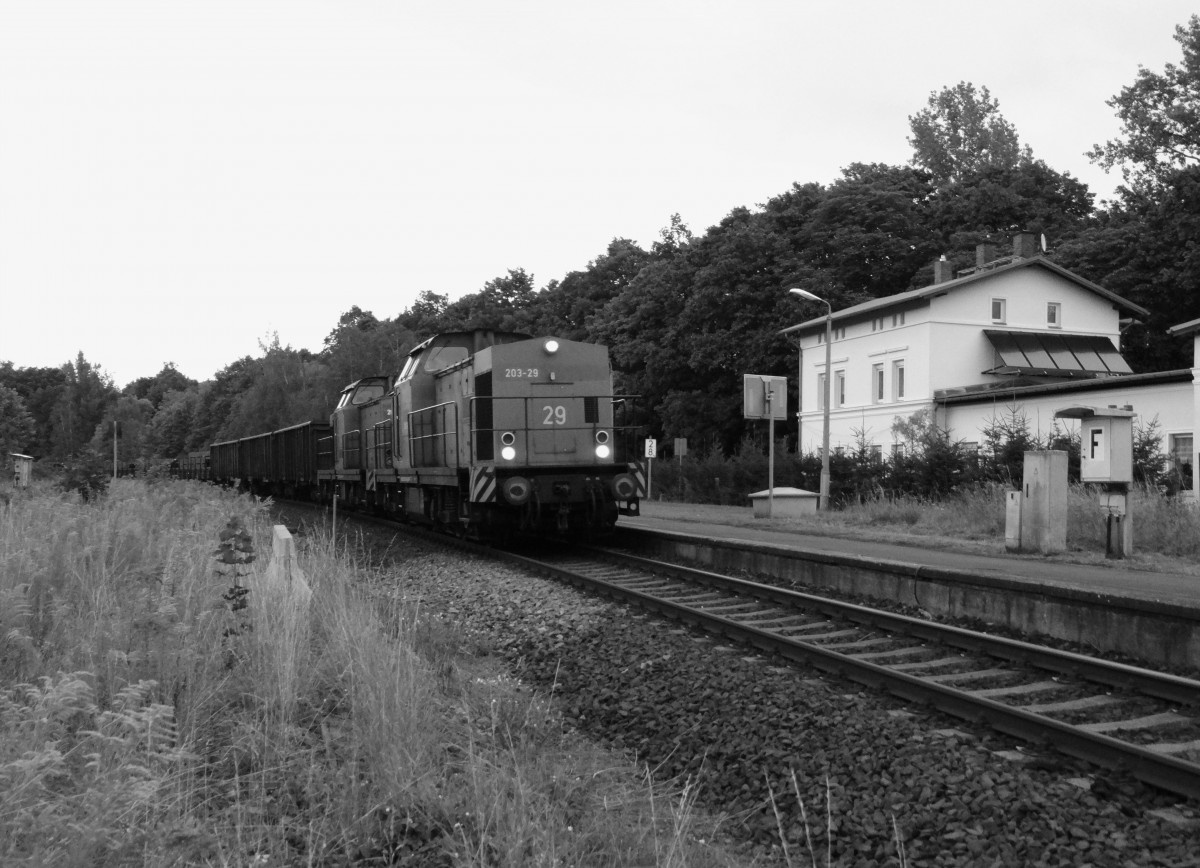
{"x":804,"y":293}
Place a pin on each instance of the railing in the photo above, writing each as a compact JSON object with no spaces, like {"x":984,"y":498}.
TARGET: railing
{"x":352,"y":450}
{"x":433,"y":436}
{"x":325,"y":453}
{"x":381,"y":448}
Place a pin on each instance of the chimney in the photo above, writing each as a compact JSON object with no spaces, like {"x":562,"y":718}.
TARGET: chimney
{"x":1025,"y":245}
{"x":942,"y":271}
{"x":984,"y":253}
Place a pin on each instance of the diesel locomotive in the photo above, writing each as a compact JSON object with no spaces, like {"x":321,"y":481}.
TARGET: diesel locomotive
{"x":483,"y":433}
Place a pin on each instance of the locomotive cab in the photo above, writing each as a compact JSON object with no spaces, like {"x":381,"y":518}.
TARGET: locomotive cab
{"x":346,"y":446}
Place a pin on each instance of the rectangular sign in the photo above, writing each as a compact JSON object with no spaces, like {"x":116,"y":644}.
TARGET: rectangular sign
{"x":764,"y":397}
{"x":651,"y":447}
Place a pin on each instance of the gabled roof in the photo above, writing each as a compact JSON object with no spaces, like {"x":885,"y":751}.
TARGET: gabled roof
{"x":1185,"y":328}
{"x":876,"y":305}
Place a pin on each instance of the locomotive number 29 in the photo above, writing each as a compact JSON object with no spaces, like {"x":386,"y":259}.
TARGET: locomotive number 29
{"x":556,"y":415}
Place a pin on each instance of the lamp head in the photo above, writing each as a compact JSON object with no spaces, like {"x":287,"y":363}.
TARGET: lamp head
{"x":804,"y":293}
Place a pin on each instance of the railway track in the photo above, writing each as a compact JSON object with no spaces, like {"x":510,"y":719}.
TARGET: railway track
{"x":1108,"y":714}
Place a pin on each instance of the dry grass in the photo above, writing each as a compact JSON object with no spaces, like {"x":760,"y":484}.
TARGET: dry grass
{"x":1166,"y":530}
{"x":146,"y":717}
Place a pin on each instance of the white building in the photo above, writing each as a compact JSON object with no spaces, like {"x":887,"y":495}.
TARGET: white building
{"x":1017,"y":336}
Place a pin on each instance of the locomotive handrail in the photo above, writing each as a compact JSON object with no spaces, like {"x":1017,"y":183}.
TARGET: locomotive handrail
{"x":352,"y":450}
{"x":424,"y":444}
{"x":325,"y":453}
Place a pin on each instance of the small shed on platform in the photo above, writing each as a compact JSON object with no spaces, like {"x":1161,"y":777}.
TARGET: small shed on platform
{"x":788,"y":503}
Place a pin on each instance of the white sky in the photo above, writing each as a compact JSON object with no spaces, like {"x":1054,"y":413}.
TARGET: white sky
{"x":180,"y":180}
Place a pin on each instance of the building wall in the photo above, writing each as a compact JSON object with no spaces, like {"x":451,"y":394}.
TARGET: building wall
{"x":959,"y":319}
{"x":1167,"y":404}
{"x":867,"y":343}
{"x":941,"y":343}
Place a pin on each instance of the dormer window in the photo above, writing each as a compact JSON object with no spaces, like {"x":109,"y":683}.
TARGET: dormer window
{"x":1054,"y":314}
{"x":999,"y":310}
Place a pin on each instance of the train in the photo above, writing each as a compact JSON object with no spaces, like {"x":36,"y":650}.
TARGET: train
{"x":483,"y":434}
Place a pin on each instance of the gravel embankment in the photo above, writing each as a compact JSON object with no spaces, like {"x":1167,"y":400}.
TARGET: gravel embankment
{"x":742,"y":726}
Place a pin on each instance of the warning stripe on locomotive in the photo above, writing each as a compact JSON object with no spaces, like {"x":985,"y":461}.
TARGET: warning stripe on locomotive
{"x":483,"y":484}
{"x":638,"y":469}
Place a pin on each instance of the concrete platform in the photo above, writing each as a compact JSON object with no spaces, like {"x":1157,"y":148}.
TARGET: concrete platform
{"x":1151,"y":615}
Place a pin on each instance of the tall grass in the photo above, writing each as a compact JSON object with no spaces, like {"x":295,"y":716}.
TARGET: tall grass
{"x":145,"y":719}
{"x":1166,"y":530}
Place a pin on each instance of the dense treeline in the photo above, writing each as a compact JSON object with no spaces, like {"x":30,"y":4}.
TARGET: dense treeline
{"x":688,"y":317}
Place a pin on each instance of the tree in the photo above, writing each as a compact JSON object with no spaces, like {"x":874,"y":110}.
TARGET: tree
{"x":424,"y":317}
{"x":997,"y":200}
{"x":154,"y":388}
{"x":40,"y":389}
{"x":504,"y":304}
{"x":168,"y":431}
{"x":353,"y":320}
{"x":81,"y":406}
{"x":1144,"y":249}
{"x":961,"y":131}
{"x":281,"y":392}
{"x":217,"y":401}
{"x":871,"y":230}
{"x":565,"y":308}
{"x":1160,"y":117}
{"x":131,"y":417}
{"x":17,"y":428}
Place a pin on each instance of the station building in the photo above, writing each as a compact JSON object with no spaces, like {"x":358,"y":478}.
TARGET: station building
{"x":1015,"y":337}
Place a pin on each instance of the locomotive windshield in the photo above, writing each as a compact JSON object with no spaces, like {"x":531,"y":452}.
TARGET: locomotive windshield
{"x":368,"y":392}
{"x":440,"y":358}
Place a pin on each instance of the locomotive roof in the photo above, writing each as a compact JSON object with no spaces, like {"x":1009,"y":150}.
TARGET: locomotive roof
{"x":480,"y":339}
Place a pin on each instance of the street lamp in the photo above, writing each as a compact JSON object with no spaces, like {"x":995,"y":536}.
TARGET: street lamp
{"x":804,"y":293}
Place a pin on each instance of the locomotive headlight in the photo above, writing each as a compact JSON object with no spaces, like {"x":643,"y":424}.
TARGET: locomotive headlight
{"x":602,"y":451}
{"x":550,"y":346}
{"x":508,"y":451}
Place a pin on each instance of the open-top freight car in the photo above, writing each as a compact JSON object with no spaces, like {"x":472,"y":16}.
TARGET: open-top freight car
{"x":485,"y":433}
{"x":282,"y":462}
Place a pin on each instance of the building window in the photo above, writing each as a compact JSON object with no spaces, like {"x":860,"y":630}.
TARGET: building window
{"x":877,"y":384}
{"x":999,"y":310}
{"x":1181,"y":446}
{"x":877,"y":453}
{"x":820,"y":391}
{"x":897,"y":381}
{"x":839,"y":388}
{"x":1054,"y":314}
{"x":897,"y":319}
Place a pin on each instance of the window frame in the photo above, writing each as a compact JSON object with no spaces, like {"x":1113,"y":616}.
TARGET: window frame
{"x":1003,"y":310}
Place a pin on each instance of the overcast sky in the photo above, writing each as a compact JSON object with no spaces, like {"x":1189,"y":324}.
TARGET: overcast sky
{"x":181,"y":180}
